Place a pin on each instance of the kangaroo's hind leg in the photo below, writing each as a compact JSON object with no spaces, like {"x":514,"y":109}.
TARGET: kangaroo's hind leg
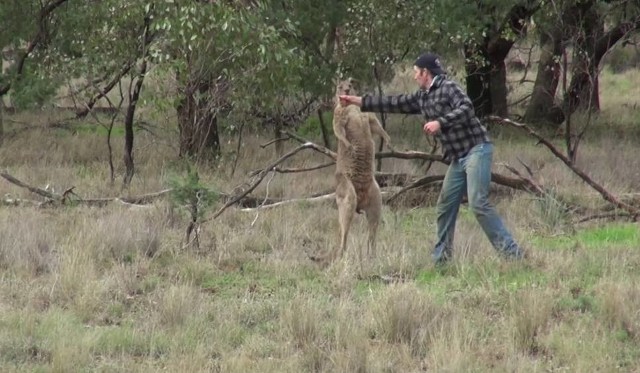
{"x":373,"y":212}
{"x":346,"y":200}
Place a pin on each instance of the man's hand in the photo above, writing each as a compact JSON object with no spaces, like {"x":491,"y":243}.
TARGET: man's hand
{"x":347,"y":100}
{"x":431,"y":128}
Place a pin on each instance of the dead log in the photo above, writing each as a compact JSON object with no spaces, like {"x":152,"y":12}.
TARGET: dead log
{"x":38,"y":191}
{"x":66,"y":197}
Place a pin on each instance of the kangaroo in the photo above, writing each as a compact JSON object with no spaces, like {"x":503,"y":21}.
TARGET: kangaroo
{"x":356,"y":188}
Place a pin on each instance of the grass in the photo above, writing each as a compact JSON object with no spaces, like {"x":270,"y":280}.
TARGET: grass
{"x":114,"y":288}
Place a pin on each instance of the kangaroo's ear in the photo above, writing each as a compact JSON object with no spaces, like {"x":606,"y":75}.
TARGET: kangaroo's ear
{"x":354,"y":83}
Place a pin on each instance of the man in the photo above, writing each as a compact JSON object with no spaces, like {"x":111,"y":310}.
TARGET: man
{"x":450,"y":116}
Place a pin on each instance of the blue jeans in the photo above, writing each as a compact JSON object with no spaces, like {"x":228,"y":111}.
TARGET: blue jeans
{"x":472,"y":172}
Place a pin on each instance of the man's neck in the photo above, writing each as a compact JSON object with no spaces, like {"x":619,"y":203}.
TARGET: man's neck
{"x":434,"y":80}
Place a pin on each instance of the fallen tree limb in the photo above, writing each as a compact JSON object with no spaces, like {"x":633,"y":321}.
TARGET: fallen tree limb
{"x":519,"y":184}
{"x":141,"y":200}
{"x":319,"y":148}
{"x":417,"y":184}
{"x":633,"y":211}
{"x":20,"y":201}
{"x":295,"y":170}
{"x":411,"y":154}
{"x":390,"y":154}
{"x":322,"y":198}
{"x":38,"y":191}
{"x":611,"y":216}
{"x":261,"y":175}
{"x":66,"y":198}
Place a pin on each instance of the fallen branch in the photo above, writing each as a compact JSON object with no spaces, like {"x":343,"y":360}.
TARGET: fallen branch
{"x":66,"y":196}
{"x":612,"y":216}
{"x":19,"y":201}
{"x":322,"y":198}
{"x":141,"y":200}
{"x":295,"y":170}
{"x":390,"y":154}
{"x":417,"y":184}
{"x":38,"y":191}
{"x":518,"y":184}
{"x":261,"y":175}
{"x":634,"y":212}
{"x":535,"y":187}
{"x":411,"y":154}
{"x":319,"y":148}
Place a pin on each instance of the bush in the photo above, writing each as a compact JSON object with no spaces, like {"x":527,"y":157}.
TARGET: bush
{"x":310,"y":129}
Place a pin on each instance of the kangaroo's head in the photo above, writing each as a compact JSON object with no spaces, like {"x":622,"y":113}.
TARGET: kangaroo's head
{"x":345,"y":87}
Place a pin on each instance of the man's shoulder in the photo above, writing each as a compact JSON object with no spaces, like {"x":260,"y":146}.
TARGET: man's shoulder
{"x":450,"y":87}
{"x":449,"y":82}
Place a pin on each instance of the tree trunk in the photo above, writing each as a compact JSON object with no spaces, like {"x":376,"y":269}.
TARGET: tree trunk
{"x":542,"y":107}
{"x":128,"y":126}
{"x":323,"y":129}
{"x":485,"y":66}
{"x":1,"y":121}
{"x":591,"y":45}
{"x":498,"y":88}
{"x":198,"y":122}
{"x":277,"y":130}
{"x":583,"y":90}
{"x":487,"y":78}
{"x":478,"y":81}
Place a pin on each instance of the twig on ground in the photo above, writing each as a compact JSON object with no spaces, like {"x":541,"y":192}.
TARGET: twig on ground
{"x":612,"y":216}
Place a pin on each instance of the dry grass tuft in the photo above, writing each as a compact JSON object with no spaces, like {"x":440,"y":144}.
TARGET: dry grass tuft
{"x":407,"y":316}
{"x":531,"y":311}
{"x":177,"y":305}
{"x":620,"y":308}
{"x":28,"y":243}
{"x":302,"y":320}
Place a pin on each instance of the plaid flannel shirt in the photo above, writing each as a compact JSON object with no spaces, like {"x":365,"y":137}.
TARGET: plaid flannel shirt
{"x":444,"y":101}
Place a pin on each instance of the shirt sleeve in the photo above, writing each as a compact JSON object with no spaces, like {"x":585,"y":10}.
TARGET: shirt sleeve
{"x":462,"y":108}
{"x":403,"y":104}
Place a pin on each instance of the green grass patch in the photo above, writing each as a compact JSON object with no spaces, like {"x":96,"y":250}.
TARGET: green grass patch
{"x":604,"y":237}
{"x":625,"y":235}
{"x":493,"y":276}
{"x":127,"y":340}
{"x":254,"y":277}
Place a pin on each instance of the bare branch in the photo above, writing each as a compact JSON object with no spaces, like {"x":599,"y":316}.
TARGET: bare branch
{"x":262,"y":175}
{"x":321,"y":149}
{"x":295,"y":170}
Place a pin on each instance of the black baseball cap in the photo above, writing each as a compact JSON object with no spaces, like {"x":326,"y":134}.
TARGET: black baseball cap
{"x":430,"y":62}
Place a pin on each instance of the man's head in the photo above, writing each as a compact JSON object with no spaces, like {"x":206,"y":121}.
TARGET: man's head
{"x":426,"y":67}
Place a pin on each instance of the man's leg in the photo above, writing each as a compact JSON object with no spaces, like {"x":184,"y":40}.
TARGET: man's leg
{"x":453,"y":187}
{"x":478,"y":167}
